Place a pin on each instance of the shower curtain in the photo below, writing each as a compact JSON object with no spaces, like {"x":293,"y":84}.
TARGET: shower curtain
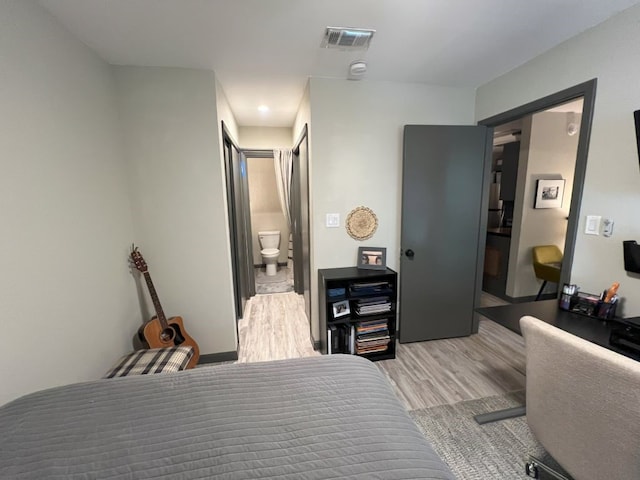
{"x":283,"y":163}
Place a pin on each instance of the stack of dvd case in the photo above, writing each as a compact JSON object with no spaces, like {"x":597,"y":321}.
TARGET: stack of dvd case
{"x":372,"y":336}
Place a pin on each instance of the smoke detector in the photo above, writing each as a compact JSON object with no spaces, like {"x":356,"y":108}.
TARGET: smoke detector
{"x":357,"y":69}
{"x":347,"y":38}
{"x":572,"y":124}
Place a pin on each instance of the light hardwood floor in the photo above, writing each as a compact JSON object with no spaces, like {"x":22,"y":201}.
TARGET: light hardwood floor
{"x":274,"y":327}
{"x":423,"y":374}
{"x":438,"y":372}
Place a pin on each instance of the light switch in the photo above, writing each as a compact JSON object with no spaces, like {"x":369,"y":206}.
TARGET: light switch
{"x":333,"y":220}
{"x":593,"y":225}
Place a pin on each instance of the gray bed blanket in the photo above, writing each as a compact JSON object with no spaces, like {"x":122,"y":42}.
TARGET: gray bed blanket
{"x":329,"y":417}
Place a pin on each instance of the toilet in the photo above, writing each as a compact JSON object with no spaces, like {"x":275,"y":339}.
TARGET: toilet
{"x":270,"y":243}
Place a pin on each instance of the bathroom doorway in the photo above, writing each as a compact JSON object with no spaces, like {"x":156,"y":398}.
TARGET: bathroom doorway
{"x":247,"y":261}
{"x":271,"y":256}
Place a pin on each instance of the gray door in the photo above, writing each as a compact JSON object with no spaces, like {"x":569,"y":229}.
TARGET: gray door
{"x":247,"y":252}
{"x":237,"y":190}
{"x":300,"y":228}
{"x":442,"y":233}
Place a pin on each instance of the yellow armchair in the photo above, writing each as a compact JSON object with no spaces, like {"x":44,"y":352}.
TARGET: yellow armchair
{"x":547,"y":265}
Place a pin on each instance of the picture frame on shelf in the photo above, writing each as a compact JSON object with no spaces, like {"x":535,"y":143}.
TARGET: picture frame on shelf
{"x":549,"y":193}
{"x":341,"y":309}
{"x":372,"y":258}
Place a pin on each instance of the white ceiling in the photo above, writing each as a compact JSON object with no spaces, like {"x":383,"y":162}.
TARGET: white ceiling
{"x":263,"y":51}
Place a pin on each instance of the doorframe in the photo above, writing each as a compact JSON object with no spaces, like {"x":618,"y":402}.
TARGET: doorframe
{"x":241,"y":286}
{"x":248,"y":230}
{"x":253,"y":153}
{"x":586,"y":91}
{"x":302,"y":263}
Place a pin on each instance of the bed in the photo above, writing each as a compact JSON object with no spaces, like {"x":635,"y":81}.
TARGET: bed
{"x":326,"y":417}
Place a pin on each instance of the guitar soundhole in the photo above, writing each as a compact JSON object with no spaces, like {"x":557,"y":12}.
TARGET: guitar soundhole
{"x":167,"y":335}
{"x":178,"y":338}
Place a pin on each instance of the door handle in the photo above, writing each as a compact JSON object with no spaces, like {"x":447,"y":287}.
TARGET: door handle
{"x":409,"y":253}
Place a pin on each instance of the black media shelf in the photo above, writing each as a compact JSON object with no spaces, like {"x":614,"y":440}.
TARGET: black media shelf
{"x":342,"y":330}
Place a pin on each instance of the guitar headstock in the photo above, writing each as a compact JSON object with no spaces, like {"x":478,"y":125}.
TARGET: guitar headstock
{"x":137,"y":260}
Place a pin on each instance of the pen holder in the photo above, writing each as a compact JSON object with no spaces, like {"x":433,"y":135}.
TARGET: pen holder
{"x":588,"y":304}
{"x":568,"y":292}
{"x":565,"y":301}
{"x":606,"y":310}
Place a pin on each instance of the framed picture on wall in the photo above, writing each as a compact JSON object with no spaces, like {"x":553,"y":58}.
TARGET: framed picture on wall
{"x":549,"y":193}
{"x":372,"y":258}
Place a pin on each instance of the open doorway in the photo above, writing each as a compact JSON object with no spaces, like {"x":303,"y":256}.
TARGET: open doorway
{"x":544,"y":142}
{"x":534,"y":152}
{"x":272,"y":255}
{"x":247,"y":224}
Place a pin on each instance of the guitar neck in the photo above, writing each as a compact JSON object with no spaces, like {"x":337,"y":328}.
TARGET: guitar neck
{"x":156,"y":301}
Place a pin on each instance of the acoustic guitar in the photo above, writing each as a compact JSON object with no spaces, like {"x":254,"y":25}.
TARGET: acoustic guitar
{"x":160,"y":332}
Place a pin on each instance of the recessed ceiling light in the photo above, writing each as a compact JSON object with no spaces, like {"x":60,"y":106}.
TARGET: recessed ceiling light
{"x":263,"y":108}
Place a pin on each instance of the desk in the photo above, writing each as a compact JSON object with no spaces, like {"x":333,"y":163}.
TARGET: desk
{"x":592,"y":329}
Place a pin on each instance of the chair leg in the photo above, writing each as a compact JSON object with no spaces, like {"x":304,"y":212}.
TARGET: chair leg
{"x":544,"y":284}
{"x":546,"y":466}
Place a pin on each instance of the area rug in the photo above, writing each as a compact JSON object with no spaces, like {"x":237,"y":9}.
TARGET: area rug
{"x":280,"y":276}
{"x":496,"y":450}
{"x":281,"y":282}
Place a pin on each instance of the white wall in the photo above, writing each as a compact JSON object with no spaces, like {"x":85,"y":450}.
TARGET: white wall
{"x":225,"y":115}
{"x":303,"y":115}
{"x":169,"y":116}
{"x":68,"y":299}
{"x":609,"y":53}
{"x":551,"y":154}
{"x":266,"y":138}
{"x":356,"y":157}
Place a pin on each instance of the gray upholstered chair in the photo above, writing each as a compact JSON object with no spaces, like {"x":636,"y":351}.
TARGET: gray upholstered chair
{"x":583,"y":403}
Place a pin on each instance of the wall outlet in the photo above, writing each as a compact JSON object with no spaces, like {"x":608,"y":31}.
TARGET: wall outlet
{"x":333,"y":220}
{"x":607,"y":227}
{"x":592,"y":226}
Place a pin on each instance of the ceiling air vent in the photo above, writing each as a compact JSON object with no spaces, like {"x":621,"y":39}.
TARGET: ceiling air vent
{"x":347,"y":38}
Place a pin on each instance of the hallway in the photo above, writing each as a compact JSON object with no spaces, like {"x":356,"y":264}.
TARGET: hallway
{"x":275,"y":327}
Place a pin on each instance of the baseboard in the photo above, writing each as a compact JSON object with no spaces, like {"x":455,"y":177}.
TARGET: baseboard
{"x":218,"y":357}
{"x":530,"y":298}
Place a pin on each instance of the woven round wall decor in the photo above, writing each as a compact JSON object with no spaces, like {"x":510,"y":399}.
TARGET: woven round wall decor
{"x":361,"y":223}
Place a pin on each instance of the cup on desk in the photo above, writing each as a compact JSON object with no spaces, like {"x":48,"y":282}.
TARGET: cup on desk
{"x":607,"y":310}
{"x":568,"y":291}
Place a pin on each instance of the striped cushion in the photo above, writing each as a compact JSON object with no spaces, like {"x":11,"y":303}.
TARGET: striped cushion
{"x":155,"y":360}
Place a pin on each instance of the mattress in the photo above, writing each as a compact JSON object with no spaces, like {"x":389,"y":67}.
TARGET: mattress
{"x":326,"y":417}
